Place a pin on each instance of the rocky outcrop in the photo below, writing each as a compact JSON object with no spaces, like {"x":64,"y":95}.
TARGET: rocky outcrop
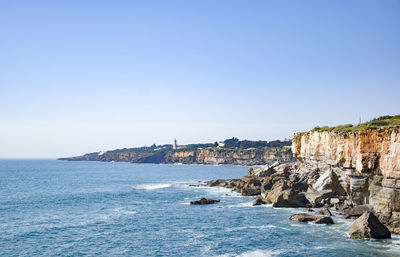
{"x":304,"y":217}
{"x":359,"y":168}
{"x":368,"y":226}
{"x":280,"y":185}
{"x":324,"y":220}
{"x":205,"y":201}
{"x":258,"y":200}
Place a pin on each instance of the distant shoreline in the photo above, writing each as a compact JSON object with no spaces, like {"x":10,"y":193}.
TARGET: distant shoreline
{"x":228,"y":152}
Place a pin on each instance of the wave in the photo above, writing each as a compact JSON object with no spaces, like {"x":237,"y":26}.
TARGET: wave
{"x":151,"y":186}
{"x":223,"y":192}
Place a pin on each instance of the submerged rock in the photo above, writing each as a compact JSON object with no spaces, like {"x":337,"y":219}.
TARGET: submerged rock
{"x":324,"y":220}
{"x":205,"y":201}
{"x":368,"y":226}
{"x":303,"y":217}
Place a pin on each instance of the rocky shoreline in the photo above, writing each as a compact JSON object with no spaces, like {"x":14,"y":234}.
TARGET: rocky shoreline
{"x":301,"y":185}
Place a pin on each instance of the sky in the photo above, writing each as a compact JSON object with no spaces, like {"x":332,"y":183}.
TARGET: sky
{"x":84,"y":76}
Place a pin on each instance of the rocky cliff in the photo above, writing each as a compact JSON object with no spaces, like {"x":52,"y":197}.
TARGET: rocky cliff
{"x":351,"y":169}
{"x":366,"y":161}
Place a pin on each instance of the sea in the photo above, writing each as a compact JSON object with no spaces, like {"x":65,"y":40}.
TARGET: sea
{"x":61,"y":208}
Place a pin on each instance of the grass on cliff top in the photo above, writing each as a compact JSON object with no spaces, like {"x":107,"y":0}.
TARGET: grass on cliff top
{"x":381,"y":122}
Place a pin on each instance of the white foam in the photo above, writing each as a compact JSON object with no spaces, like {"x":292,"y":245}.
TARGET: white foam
{"x":239,"y":205}
{"x":220,"y":190}
{"x":260,"y":253}
{"x":124,"y":211}
{"x":251,"y":227}
{"x":151,"y":186}
{"x":255,"y":253}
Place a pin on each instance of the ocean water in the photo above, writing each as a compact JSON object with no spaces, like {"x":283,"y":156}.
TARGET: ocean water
{"x":57,"y":208}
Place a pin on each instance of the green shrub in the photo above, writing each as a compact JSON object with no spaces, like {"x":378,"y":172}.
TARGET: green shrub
{"x":380,"y":122}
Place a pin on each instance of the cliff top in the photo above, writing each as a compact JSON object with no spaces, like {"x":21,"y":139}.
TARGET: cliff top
{"x":381,"y":122}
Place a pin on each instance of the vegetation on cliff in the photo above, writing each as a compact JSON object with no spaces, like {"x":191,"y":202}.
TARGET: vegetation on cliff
{"x":380,"y":122}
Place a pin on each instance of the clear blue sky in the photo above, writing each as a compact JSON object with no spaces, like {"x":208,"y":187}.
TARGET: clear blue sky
{"x":84,"y":76}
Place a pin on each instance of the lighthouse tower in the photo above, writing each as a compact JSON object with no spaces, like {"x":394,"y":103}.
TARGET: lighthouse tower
{"x":175,"y":146}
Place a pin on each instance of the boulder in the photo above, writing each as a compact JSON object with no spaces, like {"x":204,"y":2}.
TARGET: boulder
{"x":252,"y":187}
{"x":368,"y":226}
{"x":236,"y":184}
{"x":216,"y":182}
{"x":334,"y":201}
{"x":327,"y":181}
{"x":283,"y":167}
{"x":249,"y":178}
{"x":394,"y":223}
{"x":302,"y":217}
{"x":258,"y":200}
{"x":358,"y":210}
{"x":299,"y":187}
{"x":324,"y":220}
{"x":394,"y":227}
{"x":325,"y":212}
{"x":263,"y":171}
{"x":283,"y":195}
{"x":266,"y":184}
{"x":205,"y":201}
{"x":290,"y":199}
{"x":250,"y":191}
{"x":316,"y":197}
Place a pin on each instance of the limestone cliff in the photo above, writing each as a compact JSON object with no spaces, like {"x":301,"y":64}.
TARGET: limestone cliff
{"x":366,"y":151}
{"x":367,"y":162}
{"x":231,"y":156}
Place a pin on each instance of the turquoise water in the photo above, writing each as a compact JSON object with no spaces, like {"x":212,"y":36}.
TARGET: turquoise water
{"x":55,"y":208}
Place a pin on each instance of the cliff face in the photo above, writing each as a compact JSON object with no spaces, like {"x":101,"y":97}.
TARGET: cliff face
{"x":233,"y":156}
{"x":367,"y":151}
{"x":366,"y":161}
